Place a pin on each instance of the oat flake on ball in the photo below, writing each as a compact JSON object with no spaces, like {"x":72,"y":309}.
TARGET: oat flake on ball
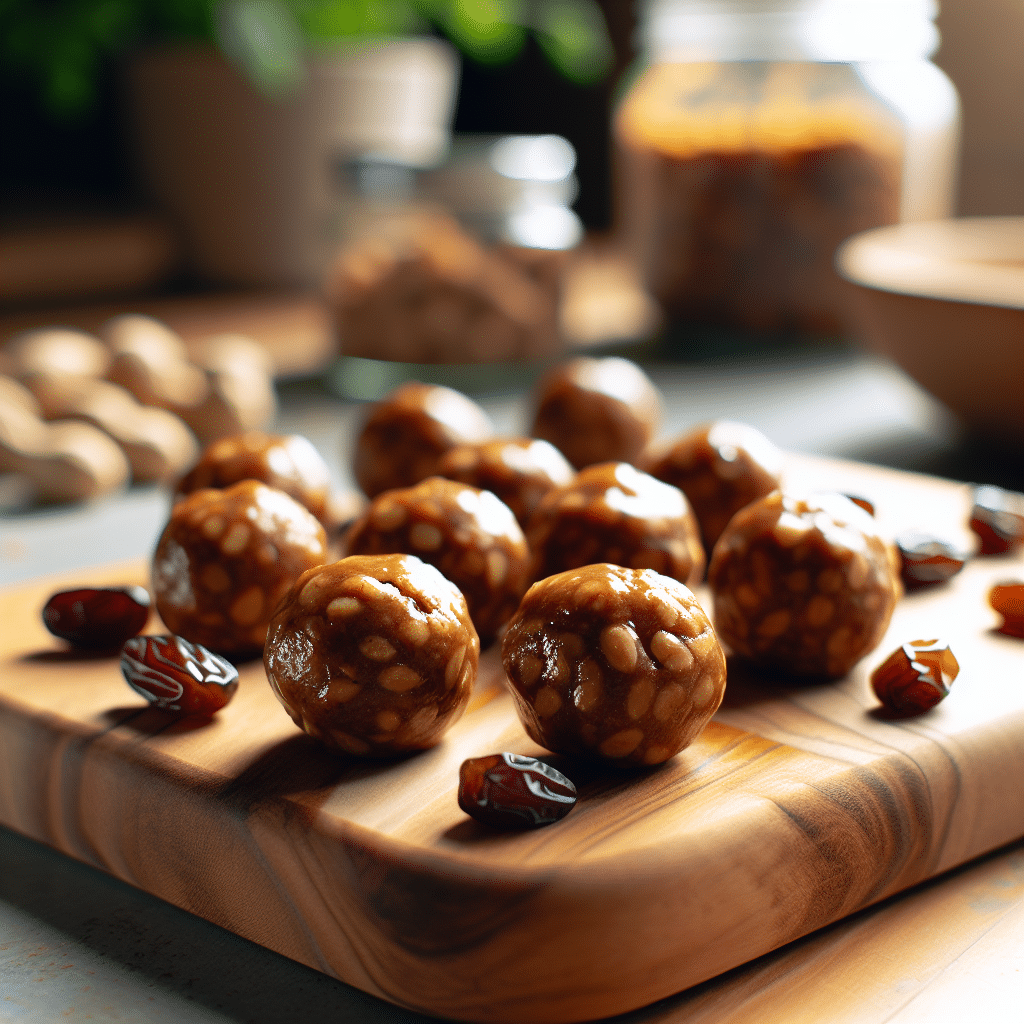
{"x":374,"y":655}
{"x":616,"y":663}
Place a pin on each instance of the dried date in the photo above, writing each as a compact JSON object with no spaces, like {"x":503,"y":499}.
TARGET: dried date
{"x":177,"y":675}
{"x":998,"y":527}
{"x":1007,"y":598}
{"x":510,"y":791}
{"x":925,"y":559}
{"x":916,"y":676}
{"x":98,"y":618}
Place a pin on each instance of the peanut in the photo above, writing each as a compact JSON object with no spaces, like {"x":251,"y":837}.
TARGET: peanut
{"x":151,"y":361}
{"x":157,"y":443}
{"x":65,"y":461}
{"x":56,"y":350}
{"x":240,"y":387}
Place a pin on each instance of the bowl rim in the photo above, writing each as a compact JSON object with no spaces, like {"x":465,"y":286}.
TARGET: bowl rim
{"x":978,"y":260}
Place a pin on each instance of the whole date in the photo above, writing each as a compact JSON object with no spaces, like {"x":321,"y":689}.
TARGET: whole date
{"x":177,"y":675}
{"x":511,"y":791}
{"x":97,"y":618}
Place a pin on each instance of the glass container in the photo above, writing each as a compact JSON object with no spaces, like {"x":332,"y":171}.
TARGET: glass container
{"x":754,"y":137}
{"x":453,"y":274}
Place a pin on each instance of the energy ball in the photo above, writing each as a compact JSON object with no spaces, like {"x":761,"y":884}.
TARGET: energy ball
{"x":803,"y":585}
{"x":597,"y":410}
{"x":469,"y":534}
{"x":614,"y":513}
{"x":288,"y":462}
{"x":721,"y":467}
{"x":374,"y":655}
{"x":617,"y":663}
{"x":407,"y":431}
{"x":519,"y":470}
{"x":225,"y":560}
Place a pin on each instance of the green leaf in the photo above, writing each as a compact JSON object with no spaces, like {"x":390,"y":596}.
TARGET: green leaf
{"x":574,"y":37}
{"x":324,"y":20}
{"x":264,"y":41}
{"x":488,"y":31}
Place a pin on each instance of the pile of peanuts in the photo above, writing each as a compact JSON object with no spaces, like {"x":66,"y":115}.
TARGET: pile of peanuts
{"x":82,"y":414}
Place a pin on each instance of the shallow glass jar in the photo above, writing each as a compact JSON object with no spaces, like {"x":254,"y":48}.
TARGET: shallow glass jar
{"x":455,"y":274}
{"x":755,"y":136}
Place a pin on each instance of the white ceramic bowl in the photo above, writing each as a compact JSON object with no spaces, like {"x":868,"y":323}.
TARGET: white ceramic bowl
{"x":945,"y":300}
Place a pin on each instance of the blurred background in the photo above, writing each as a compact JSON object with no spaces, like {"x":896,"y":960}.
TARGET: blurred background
{"x":78,"y":148}
{"x":69,"y":147}
{"x":465,"y":190}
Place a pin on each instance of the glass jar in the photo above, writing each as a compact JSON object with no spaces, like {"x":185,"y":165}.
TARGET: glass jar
{"x":756,"y":136}
{"x":454,"y":274}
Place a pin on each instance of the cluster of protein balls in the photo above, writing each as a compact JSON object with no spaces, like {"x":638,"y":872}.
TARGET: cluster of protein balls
{"x":576,"y":547}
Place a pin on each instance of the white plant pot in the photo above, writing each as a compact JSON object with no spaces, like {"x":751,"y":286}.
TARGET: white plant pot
{"x":252,"y":182}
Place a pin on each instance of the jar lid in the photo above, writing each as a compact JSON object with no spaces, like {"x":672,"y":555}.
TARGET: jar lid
{"x":789,"y":30}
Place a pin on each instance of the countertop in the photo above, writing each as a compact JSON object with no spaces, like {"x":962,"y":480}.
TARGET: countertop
{"x":78,"y":945}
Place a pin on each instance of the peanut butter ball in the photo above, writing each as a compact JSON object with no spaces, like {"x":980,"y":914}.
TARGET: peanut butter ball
{"x":612,"y":512}
{"x":804,"y":585}
{"x":469,"y":534}
{"x":407,"y":431}
{"x":721,"y":467}
{"x":288,"y":462}
{"x":519,"y":470}
{"x":225,"y":560}
{"x":597,"y":410}
{"x":374,"y":655}
{"x":620,"y":664}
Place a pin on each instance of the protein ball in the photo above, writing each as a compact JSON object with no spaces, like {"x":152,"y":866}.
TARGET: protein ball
{"x":621,"y":664}
{"x":469,"y":534}
{"x":288,"y":462}
{"x":408,"y":430}
{"x":225,"y":560}
{"x":597,"y":410}
{"x":519,"y":470}
{"x":614,"y":513}
{"x":374,"y":655}
{"x":803,"y":585}
{"x":721,"y":467}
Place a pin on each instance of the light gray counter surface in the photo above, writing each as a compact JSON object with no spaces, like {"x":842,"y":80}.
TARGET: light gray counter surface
{"x":78,"y":945}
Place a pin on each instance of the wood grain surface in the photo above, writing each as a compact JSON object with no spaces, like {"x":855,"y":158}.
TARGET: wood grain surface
{"x":798,"y":806}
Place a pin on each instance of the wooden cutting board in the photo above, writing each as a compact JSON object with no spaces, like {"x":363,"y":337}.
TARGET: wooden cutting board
{"x":797,"y":806}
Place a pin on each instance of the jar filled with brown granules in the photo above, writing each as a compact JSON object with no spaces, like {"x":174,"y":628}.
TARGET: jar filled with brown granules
{"x":756,"y":136}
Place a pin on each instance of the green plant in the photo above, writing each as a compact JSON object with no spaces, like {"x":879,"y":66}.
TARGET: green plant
{"x":62,"y":44}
